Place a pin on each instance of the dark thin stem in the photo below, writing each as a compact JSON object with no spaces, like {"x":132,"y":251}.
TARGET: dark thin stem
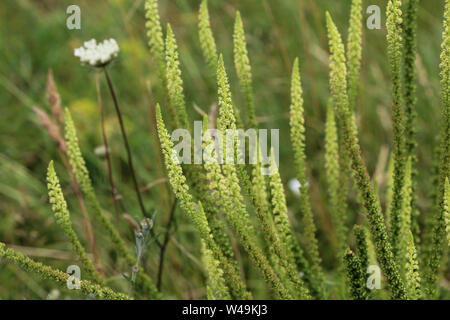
{"x":164,"y":244}
{"x":108,"y":158}
{"x":125,"y":140}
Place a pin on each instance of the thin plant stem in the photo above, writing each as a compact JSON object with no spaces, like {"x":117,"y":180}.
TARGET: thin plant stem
{"x":130,"y":159}
{"x":107,"y":155}
{"x":164,"y":245}
{"x":125,"y":140}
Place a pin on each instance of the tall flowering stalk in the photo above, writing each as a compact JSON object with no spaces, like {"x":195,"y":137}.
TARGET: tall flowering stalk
{"x":338,"y":85}
{"x":389,"y":191}
{"x":409,"y":59}
{"x":395,"y":48}
{"x":155,"y":36}
{"x":58,"y":276}
{"x":438,"y":220}
{"x":234,"y":201}
{"x":362,"y":248}
{"x":409,"y":80}
{"x":259,"y":191}
{"x":276,"y":252}
{"x":353,"y":54}
{"x":210,"y":193}
{"x":82,"y":174}
{"x":212,"y":196}
{"x":174,"y":81}
{"x":216,"y":288}
{"x":447,"y":210}
{"x":405,"y":215}
{"x":206,"y":37}
{"x":156,"y":43}
{"x":333,"y":170}
{"x":243,"y":69}
{"x":195,"y":211}
{"x":356,"y":276}
{"x":291,"y":246}
{"x":62,"y":215}
{"x":354,"y":49}
{"x":412,"y":275}
{"x":53,"y":130}
{"x":276,"y":246}
{"x":297,"y":126}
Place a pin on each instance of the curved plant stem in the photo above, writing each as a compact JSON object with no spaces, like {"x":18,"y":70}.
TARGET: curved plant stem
{"x":125,"y":140}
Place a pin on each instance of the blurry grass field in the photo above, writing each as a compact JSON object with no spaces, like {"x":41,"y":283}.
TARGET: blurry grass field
{"x":34,"y":39}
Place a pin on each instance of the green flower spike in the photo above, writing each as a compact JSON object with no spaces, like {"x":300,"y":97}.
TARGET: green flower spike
{"x":447,"y":209}
{"x":409,"y":80}
{"x":155,"y":36}
{"x":395,"y":47}
{"x":287,"y":238}
{"x":389,"y":191}
{"x":338,"y":85}
{"x":174,"y":81}
{"x":46,"y":272}
{"x":82,"y":175}
{"x":362,"y":246}
{"x":195,"y":212}
{"x":216,"y":288}
{"x":297,"y":125}
{"x":211,"y":197}
{"x":405,"y":215}
{"x":333,"y":170}
{"x":243,"y":69}
{"x":438,"y":220}
{"x":356,"y":276}
{"x":59,"y":208}
{"x":206,"y":37}
{"x":231,"y":190}
{"x":354,"y":49}
{"x":412,"y":274}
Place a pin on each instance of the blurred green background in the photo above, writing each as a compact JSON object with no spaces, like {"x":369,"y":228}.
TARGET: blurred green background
{"x":34,"y":39}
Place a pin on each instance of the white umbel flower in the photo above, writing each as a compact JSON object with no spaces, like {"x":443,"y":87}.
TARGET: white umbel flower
{"x":97,"y":55}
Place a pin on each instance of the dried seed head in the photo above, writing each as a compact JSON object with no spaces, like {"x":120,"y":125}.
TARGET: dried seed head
{"x":54,"y":99}
{"x":51,"y":129}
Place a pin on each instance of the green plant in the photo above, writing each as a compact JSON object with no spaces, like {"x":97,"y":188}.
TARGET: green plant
{"x":59,"y":208}
{"x":58,"y":276}
{"x":238,"y":218}
{"x":298,"y":141}
{"x":338,"y":85}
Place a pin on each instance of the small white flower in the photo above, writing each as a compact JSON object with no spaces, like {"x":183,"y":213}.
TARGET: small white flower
{"x":100,"y":150}
{"x":294,"y":186}
{"x":97,"y":55}
{"x":53,"y":294}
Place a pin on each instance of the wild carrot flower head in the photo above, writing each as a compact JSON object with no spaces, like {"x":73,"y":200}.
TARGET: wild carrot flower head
{"x":97,"y":54}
